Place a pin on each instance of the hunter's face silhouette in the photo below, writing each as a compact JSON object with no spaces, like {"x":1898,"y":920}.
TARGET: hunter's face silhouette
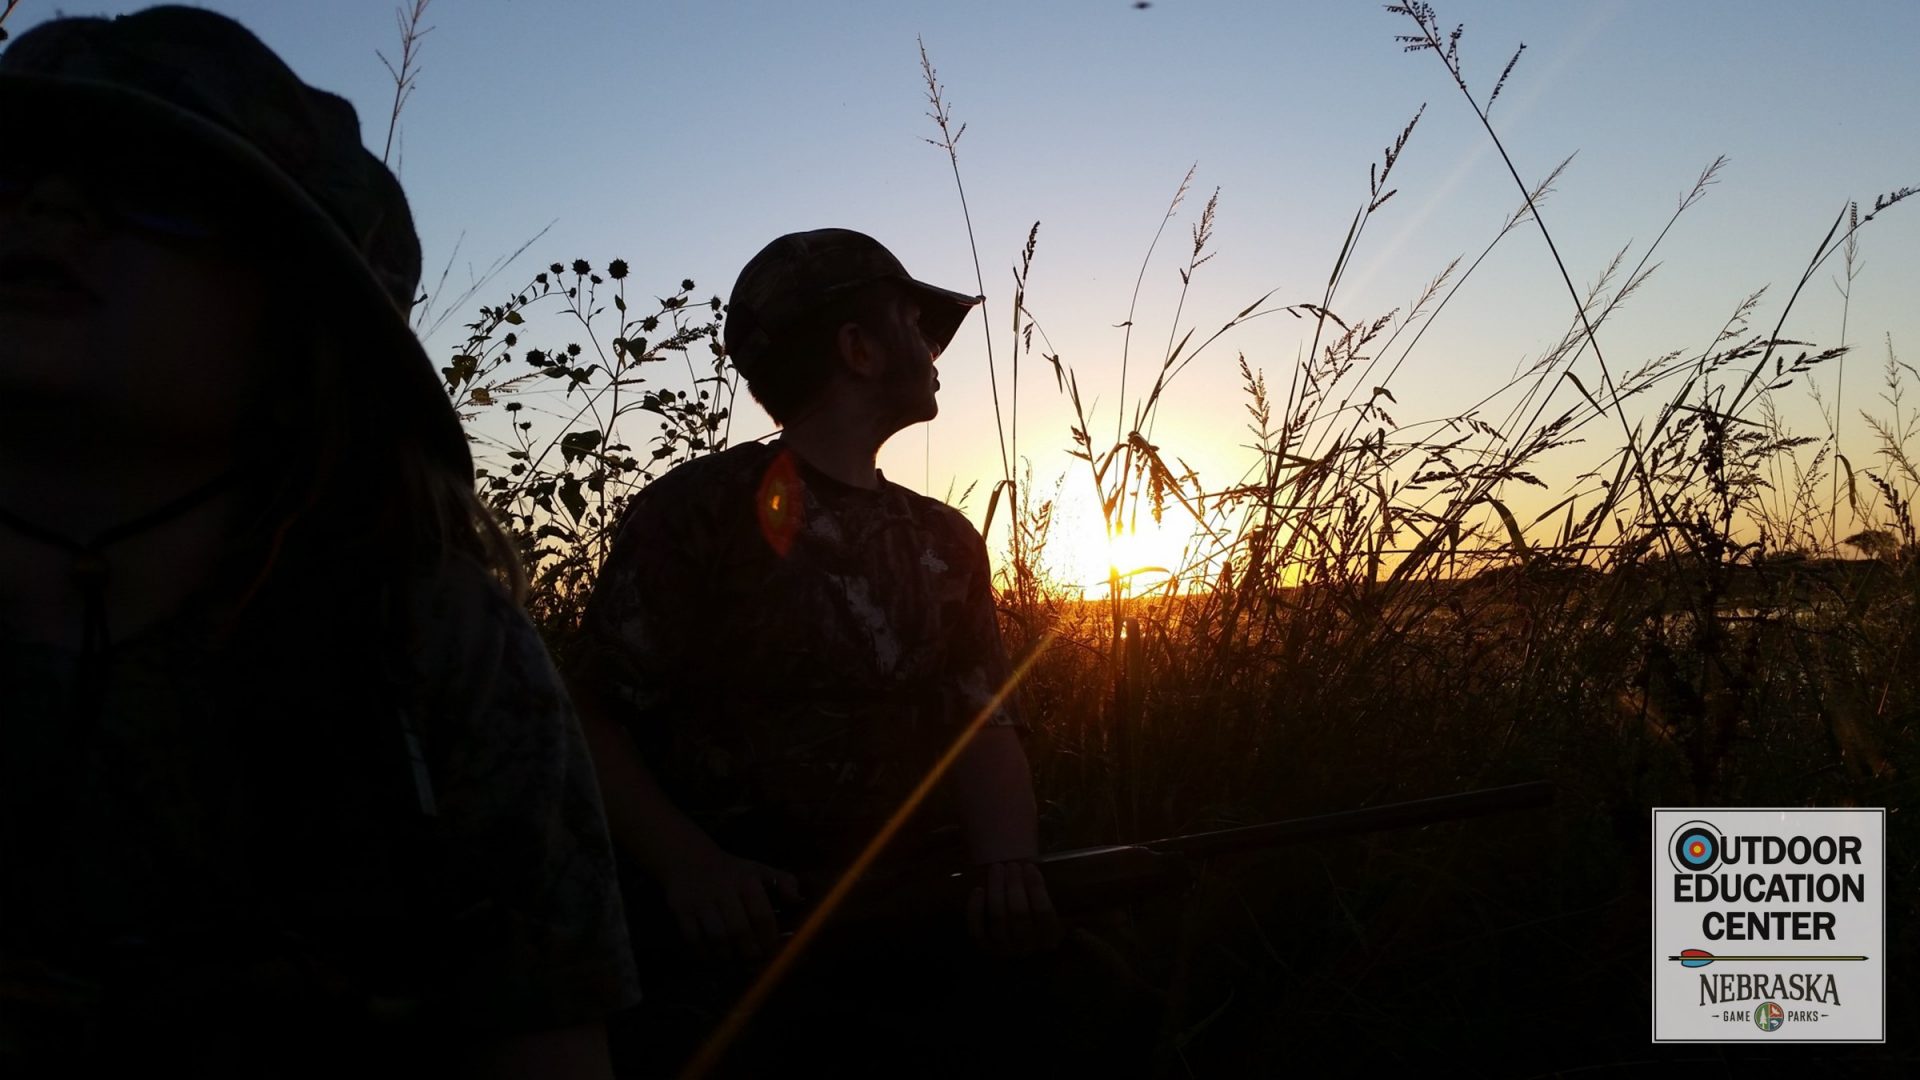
{"x":126,"y":302}
{"x":904,"y":381}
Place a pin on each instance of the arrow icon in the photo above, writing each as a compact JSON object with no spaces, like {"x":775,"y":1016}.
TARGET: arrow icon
{"x":1699,"y":958}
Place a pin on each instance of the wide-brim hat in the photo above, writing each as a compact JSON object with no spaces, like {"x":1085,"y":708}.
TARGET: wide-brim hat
{"x":208,"y":91}
{"x":793,"y":278}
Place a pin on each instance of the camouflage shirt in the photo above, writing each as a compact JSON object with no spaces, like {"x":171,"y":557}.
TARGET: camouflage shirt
{"x":241,"y":846}
{"x":791,"y":653}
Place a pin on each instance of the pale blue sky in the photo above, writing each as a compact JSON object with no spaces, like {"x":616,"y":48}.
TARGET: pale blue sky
{"x":683,"y":136}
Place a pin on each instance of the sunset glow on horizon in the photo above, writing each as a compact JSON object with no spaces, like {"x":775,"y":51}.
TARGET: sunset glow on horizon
{"x":821,"y":119}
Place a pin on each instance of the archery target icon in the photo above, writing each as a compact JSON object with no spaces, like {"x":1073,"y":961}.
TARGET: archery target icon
{"x":1695,"y":847}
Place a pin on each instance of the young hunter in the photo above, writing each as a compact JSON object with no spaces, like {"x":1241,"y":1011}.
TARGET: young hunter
{"x":288,"y":785}
{"x":783,"y":642}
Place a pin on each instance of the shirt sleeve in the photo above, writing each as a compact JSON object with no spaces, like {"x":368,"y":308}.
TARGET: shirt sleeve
{"x":639,"y":627}
{"x":540,"y":940}
{"x":979,"y":659}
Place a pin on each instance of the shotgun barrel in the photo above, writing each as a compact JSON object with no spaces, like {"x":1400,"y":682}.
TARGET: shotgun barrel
{"x":1085,"y":879}
{"x":1368,"y":819}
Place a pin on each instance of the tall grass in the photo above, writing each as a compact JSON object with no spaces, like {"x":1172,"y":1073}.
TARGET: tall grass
{"x":1366,"y":613}
{"x":1364,"y":616}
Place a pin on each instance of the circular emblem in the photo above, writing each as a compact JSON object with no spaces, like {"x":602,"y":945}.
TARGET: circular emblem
{"x":1768,"y":1016}
{"x":1695,"y":847}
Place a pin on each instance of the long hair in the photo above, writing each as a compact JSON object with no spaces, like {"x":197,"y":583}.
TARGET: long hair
{"x":349,"y":504}
{"x":317,"y":686}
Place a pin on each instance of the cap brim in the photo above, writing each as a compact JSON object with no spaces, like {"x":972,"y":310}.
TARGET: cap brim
{"x":49,"y":110}
{"x":942,"y":311}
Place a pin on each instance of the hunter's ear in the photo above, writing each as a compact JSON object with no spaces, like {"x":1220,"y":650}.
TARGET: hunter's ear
{"x":857,"y":350}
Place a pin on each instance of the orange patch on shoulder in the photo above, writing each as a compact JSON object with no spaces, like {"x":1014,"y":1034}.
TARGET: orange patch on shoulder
{"x":779,"y":504}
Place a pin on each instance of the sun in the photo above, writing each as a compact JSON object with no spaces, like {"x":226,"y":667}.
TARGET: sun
{"x":1151,"y":548}
{"x":1082,"y":552}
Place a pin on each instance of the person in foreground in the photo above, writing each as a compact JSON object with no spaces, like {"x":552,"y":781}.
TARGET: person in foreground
{"x":782,"y":643}
{"x":288,"y":785}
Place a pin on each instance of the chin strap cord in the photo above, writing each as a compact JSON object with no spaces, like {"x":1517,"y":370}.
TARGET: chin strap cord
{"x":89,"y":572}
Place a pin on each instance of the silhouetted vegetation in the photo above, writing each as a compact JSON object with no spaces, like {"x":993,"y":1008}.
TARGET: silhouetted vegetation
{"x":1716,"y":611}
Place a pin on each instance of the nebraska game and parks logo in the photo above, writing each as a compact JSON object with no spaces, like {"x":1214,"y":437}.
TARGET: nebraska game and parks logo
{"x":1769,"y":925}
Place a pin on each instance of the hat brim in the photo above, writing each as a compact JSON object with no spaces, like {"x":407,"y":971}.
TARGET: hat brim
{"x":50,"y":111}
{"x":941,"y":311}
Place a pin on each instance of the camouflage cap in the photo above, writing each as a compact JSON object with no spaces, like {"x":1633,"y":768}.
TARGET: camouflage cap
{"x":203,"y":89}
{"x":793,"y":277}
